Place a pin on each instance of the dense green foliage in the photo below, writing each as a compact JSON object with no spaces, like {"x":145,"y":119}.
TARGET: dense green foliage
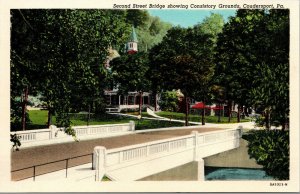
{"x":151,"y":33}
{"x":169,"y":101}
{"x":253,"y":67}
{"x":130,"y":74}
{"x":212,"y":25}
{"x":183,"y":60}
{"x":59,"y":54}
{"x":271,"y":149}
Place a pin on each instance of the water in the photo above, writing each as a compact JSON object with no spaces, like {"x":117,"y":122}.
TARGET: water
{"x":219,"y":173}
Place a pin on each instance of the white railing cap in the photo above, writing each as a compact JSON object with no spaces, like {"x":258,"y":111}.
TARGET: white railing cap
{"x":216,"y":131}
{"x":106,"y":125}
{"x":30,"y":131}
{"x":167,"y":128}
{"x":148,"y":143}
{"x":167,"y":140}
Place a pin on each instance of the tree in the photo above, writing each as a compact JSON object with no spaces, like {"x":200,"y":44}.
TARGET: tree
{"x":137,"y":17}
{"x":271,"y":149}
{"x":234,"y":57}
{"x":212,"y":26}
{"x":23,"y":71}
{"x":271,"y":79}
{"x":63,"y":51}
{"x":183,"y":61}
{"x":151,"y":33}
{"x":257,"y":54}
{"x":130,"y":74}
{"x":219,"y":97}
{"x":254,"y":69}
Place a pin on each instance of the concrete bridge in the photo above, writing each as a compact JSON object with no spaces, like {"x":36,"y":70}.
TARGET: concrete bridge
{"x":150,"y":152}
{"x":138,"y":161}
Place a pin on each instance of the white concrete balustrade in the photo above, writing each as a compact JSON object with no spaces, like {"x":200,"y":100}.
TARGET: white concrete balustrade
{"x":138,"y":161}
{"x":53,"y":132}
{"x":34,"y":135}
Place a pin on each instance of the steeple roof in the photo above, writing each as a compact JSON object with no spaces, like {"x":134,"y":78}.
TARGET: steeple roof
{"x":133,"y":36}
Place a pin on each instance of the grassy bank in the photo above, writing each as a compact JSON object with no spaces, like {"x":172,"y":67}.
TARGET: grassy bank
{"x":39,"y":120}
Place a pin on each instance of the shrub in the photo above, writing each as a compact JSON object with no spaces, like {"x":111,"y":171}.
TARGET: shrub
{"x":271,"y":150}
{"x":169,"y":101}
{"x":260,"y":121}
{"x":126,"y":110}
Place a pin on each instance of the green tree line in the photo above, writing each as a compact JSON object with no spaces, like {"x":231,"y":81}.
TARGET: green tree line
{"x":60,"y":54}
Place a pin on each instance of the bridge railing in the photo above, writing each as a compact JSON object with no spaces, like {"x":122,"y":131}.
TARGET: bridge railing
{"x":192,"y":145}
{"x":81,"y":131}
{"x":49,"y":167}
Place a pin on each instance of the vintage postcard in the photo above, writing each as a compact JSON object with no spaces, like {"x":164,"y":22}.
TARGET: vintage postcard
{"x":149,"y":96}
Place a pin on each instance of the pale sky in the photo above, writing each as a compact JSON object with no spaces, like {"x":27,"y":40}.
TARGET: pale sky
{"x":188,"y":18}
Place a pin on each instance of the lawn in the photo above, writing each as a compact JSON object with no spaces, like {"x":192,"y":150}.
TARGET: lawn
{"x":197,"y":117}
{"x":144,"y":114}
{"x":39,"y":120}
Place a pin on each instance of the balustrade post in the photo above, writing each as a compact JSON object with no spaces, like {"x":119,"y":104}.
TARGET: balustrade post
{"x":53,"y":130}
{"x":147,"y":150}
{"x":240,"y":130}
{"x":131,"y":126}
{"x":196,"y":147}
{"x":120,"y":156}
{"x":99,"y":162}
{"x":88,"y":130}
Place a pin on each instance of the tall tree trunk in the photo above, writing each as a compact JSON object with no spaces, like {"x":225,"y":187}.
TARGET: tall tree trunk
{"x":239,"y":114}
{"x":186,"y":110}
{"x":246,"y":111}
{"x":219,"y":116}
{"x":140,"y":104}
{"x":155,"y":101}
{"x":49,"y":122}
{"x":25,"y":100}
{"x":89,"y":116}
{"x":229,"y":111}
{"x":203,"y":114}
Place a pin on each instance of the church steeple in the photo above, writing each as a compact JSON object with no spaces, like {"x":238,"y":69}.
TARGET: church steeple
{"x":132,"y":46}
